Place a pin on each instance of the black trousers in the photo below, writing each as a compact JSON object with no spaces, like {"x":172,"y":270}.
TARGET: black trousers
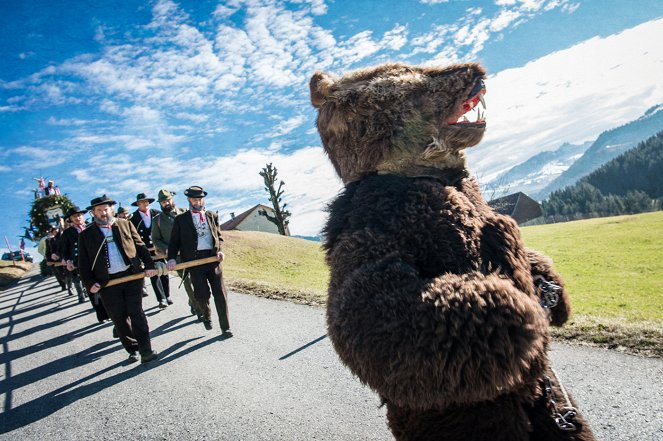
{"x":60,"y":275}
{"x":98,"y":306}
{"x":124,"y":304}
{"x":206,"y":282}
{"x":164,"y":283}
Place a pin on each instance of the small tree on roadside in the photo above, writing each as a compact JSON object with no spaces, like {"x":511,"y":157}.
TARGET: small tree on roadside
{"x":281,"y":215}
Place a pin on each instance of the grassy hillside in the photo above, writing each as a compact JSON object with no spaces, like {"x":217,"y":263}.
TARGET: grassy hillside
{"x":614,"y":271}
{"x":613,"y":268}
{"x":275,"y":266}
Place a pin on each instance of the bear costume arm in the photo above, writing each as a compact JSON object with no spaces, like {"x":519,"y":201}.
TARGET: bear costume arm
{"x":542,"y":266}
{"x":431,"y":343}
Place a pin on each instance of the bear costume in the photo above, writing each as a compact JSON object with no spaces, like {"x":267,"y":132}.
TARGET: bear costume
{"x":433,"y":298}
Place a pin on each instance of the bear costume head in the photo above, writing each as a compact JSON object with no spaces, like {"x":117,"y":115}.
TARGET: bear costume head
{"x":432,"y":299}
{"x":399,"y":119}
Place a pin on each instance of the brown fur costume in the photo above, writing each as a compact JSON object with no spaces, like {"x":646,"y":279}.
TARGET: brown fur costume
{"x":431,"y":298}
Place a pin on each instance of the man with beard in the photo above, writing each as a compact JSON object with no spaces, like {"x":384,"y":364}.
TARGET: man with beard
{"x":143,"y":219}
{"x":196,"y":235}
{"x":69,"y":250}
{"x":162,"y":228}
{"x":110,"y":249}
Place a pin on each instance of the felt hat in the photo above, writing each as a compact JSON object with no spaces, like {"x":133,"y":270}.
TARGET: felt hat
{"x":142,"y":197}
{"x":74,"y":210}
{"x":101,"y":200}
{"x":122,"y":210}
{"x":195,"y":191}
{"x":164,"y":195}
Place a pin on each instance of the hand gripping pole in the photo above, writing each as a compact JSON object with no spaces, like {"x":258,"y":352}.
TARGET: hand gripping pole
{"x":162,"y":270}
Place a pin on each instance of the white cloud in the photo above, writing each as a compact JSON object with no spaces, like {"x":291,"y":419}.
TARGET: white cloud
{"x":286,"y":126}
{"x":232,"y":180}
{"x":570,"y":8}
{"x":67,"y":121}
{"x":395,"y":38}
{"x":433,"y":2}
{"x":570,"y":96}
{"x":195,"y":117}
{"x":318,"y":7}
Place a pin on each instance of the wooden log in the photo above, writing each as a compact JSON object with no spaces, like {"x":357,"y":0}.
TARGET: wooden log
{"x":179,"y":266}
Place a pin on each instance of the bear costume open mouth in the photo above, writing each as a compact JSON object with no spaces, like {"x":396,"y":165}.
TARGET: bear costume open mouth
{"x":473,"y":111}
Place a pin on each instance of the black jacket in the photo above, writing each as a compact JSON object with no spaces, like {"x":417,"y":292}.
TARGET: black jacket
{"x":144,"y":231}
{"x":91,"y":246}
{"x":184,"y":237}
{"x":53,"y":247}
{"x":69,"y":245}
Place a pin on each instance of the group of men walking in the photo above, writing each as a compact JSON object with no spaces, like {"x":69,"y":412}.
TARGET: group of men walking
{"x":111,"y":247}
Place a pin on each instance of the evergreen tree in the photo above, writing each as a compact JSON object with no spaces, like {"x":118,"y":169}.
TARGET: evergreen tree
{"x":630,"y":183}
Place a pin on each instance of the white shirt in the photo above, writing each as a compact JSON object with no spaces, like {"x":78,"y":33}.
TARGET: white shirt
{"x":147,"y":219}
{"x":202,"y":228}
{"x":115,"y":260}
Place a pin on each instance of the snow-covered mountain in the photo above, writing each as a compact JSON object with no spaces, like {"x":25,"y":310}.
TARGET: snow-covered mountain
{"x":537,"y":172}
{"x":607,"y":146}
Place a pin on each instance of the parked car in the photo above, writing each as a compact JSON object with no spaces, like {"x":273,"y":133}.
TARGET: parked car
{"x":16,"y":255}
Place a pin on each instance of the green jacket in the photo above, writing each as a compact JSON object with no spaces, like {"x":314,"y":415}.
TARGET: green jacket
{"x":162,"y":228}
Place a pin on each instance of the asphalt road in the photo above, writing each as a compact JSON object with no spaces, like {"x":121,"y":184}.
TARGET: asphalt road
{"x":63,"y":377}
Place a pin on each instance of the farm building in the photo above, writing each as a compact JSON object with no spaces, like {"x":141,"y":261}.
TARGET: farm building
{"x":252,"y":220}
{"x":519,"y":206}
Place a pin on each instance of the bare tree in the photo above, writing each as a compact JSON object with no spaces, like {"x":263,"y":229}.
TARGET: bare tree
{"x":281,"y":215}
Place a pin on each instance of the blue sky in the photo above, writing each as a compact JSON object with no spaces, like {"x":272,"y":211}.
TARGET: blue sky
{"x":122,"y":97}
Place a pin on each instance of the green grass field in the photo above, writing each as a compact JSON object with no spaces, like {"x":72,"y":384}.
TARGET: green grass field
{"x":613,"y":266}
{"x":275,"y":266}
{"x":614,"y":273}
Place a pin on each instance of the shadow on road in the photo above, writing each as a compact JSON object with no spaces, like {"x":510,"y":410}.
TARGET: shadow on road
{"x":27,"y":292}
{"x":301,"y":348}
{"x":55,"y":400}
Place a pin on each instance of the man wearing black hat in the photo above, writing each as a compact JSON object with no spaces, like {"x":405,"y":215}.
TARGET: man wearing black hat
{"x":142,"y":219}
{"x":162,"y":229}
{"x":68,"y":247}
{"x":109,"y":249}
{"x":196,"y":235}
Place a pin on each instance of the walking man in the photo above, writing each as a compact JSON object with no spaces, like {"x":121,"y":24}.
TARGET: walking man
{"x":162,"y":228}
{"x":69,"y":250}
{"x":52,"y":256}
{"x":196,"y":235}
{"x":143,"y":218}
{"x":109,"y":249}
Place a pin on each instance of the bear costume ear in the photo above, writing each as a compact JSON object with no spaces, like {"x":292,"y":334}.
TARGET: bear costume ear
{"x":320,"y":84}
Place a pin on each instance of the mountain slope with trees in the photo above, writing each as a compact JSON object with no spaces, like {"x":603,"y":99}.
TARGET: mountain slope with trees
{"x":608,"y":146}
{"x":630,"y":183}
